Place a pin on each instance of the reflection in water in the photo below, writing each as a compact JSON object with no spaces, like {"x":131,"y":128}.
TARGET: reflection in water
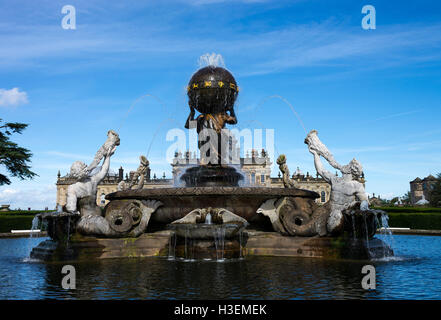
{"x":414,"y":275}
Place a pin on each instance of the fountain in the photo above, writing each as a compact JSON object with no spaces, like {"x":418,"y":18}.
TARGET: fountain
{"x":212,"y":217}
{"x":218,"y":229}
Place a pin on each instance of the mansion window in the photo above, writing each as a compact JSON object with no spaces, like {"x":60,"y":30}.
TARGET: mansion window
{"x":262,"y":178}
{"x":103,"y":198}
{"x":323,"y":197}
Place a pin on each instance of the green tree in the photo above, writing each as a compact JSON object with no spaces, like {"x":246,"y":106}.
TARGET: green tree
{"x":14,"y":158}
{"x":394,"y":200}
{"x":406,"y":198}
{"x":435,"y":193}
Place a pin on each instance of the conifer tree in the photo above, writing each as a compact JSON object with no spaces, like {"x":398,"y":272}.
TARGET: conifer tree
{"x":13,"y":158}
{"x":435,"y":193}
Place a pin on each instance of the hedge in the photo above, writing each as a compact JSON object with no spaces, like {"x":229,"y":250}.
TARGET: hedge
{"x":17,"y":219}
{"x":417,"y":210}
{"x":15,"y":222}
{"x":414,"y":218}
{"x":22,"y":212}
{"x":399,"y":217}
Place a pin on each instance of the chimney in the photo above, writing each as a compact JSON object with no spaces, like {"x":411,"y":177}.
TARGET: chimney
{"x":120,"y":174}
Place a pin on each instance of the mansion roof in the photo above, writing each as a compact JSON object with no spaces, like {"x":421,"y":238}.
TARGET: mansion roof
{"x":426,"y":179}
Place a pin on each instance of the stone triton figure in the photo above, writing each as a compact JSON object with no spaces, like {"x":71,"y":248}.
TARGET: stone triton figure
{"x":137,"y":181}
{"x":346,"y":191}
{"x":127,"y":219}
{"x":283,"y":167}
{"x":81,"y":196}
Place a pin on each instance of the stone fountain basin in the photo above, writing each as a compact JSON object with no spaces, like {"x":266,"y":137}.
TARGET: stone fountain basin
{"x":177,"y":202}
{"x":202,"y":231}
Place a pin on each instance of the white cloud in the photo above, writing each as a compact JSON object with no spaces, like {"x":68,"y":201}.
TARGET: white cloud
{"x":13,"y":97}
{"x":36,"y":198}
{"x":303,"y":45}
{"x":72,"y":156}
{"x":395,"y":115}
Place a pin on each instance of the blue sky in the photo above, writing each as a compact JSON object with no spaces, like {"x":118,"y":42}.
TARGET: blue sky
{"x":371,"y":94}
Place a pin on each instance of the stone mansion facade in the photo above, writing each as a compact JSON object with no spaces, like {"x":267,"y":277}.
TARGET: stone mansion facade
{"x":255,"y":166}
{"x":420,"y":188}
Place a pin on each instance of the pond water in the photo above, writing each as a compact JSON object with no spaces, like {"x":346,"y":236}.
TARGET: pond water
{"x":415,"y":273}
